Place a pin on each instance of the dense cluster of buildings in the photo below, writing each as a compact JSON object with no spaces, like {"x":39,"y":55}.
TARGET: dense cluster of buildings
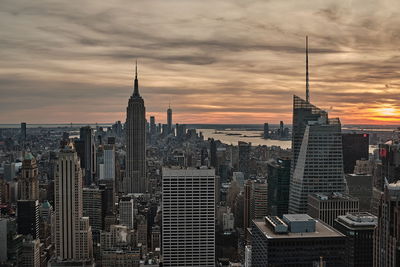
{"x":145,"y":194}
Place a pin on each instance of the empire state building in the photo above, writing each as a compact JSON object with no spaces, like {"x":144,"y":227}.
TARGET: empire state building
{"x":135,"y":176}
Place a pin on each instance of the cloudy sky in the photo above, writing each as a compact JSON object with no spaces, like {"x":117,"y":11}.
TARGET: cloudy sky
{"x":225,"y":61}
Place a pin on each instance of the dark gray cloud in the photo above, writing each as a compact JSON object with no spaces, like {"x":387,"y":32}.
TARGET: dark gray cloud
{"x":238,"y":61}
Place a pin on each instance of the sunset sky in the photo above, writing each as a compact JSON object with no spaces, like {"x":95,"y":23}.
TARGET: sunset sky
{"x":225,"y":61}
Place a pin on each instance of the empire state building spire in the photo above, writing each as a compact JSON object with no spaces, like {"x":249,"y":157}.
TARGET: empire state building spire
{"x":136,"y":83}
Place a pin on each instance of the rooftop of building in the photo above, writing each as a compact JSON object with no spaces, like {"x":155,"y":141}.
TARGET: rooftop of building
{"x":359,"y":219}
{"x":321,"y":230}
{"x":332,"y":196}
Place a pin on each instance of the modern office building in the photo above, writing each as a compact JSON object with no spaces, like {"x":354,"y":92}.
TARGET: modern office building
{"x":266,"y":131}
{"x":23,"y":131}
{"x":387,"y":235}
{"x":30,"y":253}
{"x":296,"y":240}
{"x":259,"y":199}
{"x":317,"y":164}
{"x":28,"y":183}
{"x":87,"y":153}
{"x":135,"y":176}
{"x":359,"y":229}
{"x":278,"y":180}
{"x":28,"y":218}
{"x":152,"y":125}
{"x":93,"y":207}
{"x":244,"y":158}
{"x":107,"y":168}
{"x":169,"y":119}
{"x":317,"y":161}
{"x":247,"y":204}
{"x":361,"y":186}
{"x":327,"y":207}
{"x":127,"y":211}
{"x":72,"y":231}
{"x":188,"y":219}
{"x":355,"y":147}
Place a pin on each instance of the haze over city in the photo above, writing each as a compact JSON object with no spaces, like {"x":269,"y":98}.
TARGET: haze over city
{"x":215,"y":62}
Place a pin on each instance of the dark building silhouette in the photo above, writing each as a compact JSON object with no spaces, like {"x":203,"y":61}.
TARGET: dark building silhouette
{"x":387,"y":234}
{"x":86,"y":149}
{"x":296,"y":240}
{"x":278,"y":173}
{"x":169,"y":119}
{"x":23,"y":131}
{"x":266,"y":131}
{"x":355,"y":147}
{"x":244,"y":158}
{"x":28,"y":217}
{"x":359,"y":229}
{"x":135,"y":176}
{"x":213,"y":154}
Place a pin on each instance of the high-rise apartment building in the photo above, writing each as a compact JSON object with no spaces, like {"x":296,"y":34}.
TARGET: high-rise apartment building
{"x":73,"y":234}
{"x":135,"y":176}
{"x":266,"y":131}
{"x":28,"y":183}
{"x":188,"y":220}
{"x":387,"y":235}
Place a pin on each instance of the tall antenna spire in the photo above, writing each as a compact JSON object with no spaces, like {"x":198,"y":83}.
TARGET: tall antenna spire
{"x":136,"y":70}
{"x":136,"y":83}
{"x":307,"y":79}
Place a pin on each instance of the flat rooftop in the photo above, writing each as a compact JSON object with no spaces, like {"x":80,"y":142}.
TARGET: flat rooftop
{"x":321,"y":230}
{"x":332,"y":196}
{"x":359,"y":219}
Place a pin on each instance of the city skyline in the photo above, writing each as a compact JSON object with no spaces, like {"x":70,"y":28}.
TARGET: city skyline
{"x":63,"y":64}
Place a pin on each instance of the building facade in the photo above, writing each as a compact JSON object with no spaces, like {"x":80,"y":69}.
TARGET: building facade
{"x":73,"y":234}
{"x":327,"y":207}
{"x":317,"y":164}
{"x":135,"y":177}
{"x":188,"y":220}
{"x":359,"y":229}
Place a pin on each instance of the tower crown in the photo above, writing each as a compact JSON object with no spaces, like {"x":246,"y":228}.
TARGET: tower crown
{"x":136,"y":84}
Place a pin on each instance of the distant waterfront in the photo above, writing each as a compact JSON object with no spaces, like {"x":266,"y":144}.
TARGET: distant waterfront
{"x":246,"y":136}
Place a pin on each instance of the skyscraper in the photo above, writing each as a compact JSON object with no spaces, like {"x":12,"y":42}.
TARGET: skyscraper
{"x":23,"y":131}
{"x":244,"y":158}
{"x":169,"y":119}
{"x":135,"y":177}
{"x":28,"y":183}
{"x":387,"y":235}
{"x":188,"y":220}
{"x":28,"y":217}
{"x":355,"y":147}
{"x":278,"y":186}
{"x":152,"y":125}
{"x":73,"y":234}
{"x":317,"y":163}
{"x":87,"y":153}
